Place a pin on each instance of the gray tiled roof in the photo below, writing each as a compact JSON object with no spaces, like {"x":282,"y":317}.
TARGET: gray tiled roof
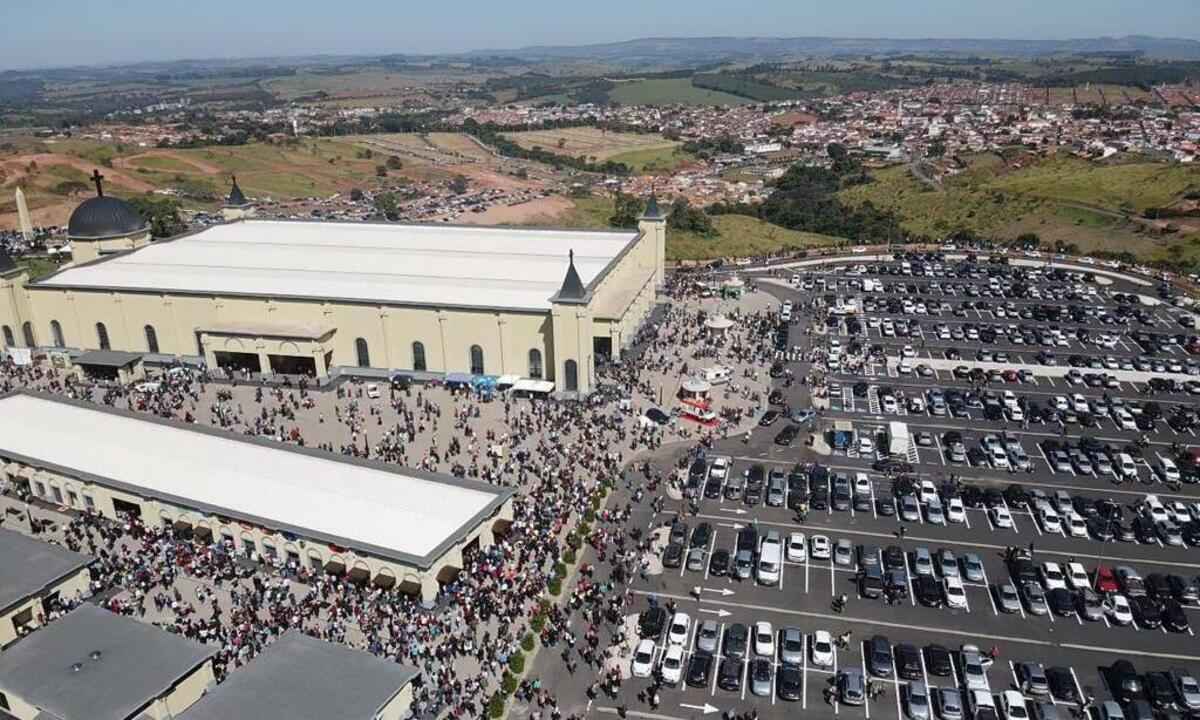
{"x":29,"y":567}
{"x":53,"y":668}
{"x":301,"y":678}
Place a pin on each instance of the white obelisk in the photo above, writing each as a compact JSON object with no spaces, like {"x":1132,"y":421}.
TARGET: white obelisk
{"x":23,"y":216}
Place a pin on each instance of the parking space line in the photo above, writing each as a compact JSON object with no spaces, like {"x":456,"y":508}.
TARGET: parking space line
{"x":867,"y":684}
{"x":896,"y":686}
{"x":804,"y":672}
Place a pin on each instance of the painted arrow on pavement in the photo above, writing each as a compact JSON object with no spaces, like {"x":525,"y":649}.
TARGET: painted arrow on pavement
{"x":718,"y":613}
{"x":722,"y":591}
{"x":705,"y":708}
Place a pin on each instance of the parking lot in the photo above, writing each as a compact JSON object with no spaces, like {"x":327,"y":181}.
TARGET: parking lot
{"x":951,"y":498}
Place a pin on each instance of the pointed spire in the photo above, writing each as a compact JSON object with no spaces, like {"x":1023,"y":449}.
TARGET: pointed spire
{"x":652,"y":210}
{"x":572,"y":287}
{"x":236,"y":197}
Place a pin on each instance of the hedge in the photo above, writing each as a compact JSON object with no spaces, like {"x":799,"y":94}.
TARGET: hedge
{"x":516,"y":663}
{"x":568,"y":556}
{"x":527,"y":642}
{"x":496,"y":706}
{"x":555,"y":587}
{"x":508,"y":685}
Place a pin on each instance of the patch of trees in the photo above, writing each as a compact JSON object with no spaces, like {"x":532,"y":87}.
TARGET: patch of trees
{"x":805,"y":199}
{"x":21,"y":91}
{"x":626,"y":210}
{"x":720,"y":145}
{"x":1144,"y":76}
{"x":161,"y":212}
{"x":744,"y":85}
{"x":686,"y":218}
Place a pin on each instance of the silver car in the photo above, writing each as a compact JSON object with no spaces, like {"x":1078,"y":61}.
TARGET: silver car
{"x":918,"y":701}
{"x":1010,"y":601}
{"x":949,"y":704}
{"x":760,"y":677}
{"x":973,"y":568}
{"x":843,"y":552}
{"x":1035,"y":599}
{"x":708,"y":636}
{"x":922,"y":561}
{"x":791,"y":646}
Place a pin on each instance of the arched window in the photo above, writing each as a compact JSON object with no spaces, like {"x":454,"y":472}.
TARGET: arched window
{"x":9,"y":340}
{"x":364,"y":354}
{"x":476,"y":360}
{"x":571,"y":369}
{"x":419,"y":357}
{"x":535,"y":364}
{"x":27,"y":331}
{"x":102,"y":336}
{"x":56,"y":334}
{"x":151,"y":339}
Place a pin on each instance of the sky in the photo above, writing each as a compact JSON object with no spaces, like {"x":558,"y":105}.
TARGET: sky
{"x":56,"y":33}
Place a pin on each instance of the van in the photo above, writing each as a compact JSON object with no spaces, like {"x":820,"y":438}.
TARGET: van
{"x":871,"y":582}
{"x":718,"y":374}
{"x":770,"y":559}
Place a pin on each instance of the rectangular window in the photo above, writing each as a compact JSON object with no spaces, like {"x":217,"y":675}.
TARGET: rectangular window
{"x":58,"y":498}
{"x":88,"y":502}
{"x":72,"y":498}
{"x":40,"y":489}
{"x":315,"y":563}
{"x":227,"y":539}
{"x":269,"y":550}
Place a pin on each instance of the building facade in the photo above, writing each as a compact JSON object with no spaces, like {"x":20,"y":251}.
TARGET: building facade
{"x":270,"y":297}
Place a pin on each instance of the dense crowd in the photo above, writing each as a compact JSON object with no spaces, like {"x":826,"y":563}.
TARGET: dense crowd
{"x":555,"y":454}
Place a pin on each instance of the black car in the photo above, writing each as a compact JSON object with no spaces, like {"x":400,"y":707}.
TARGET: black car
{"x":1061,"y":601}
{"x":1101,"y":529}
{"x":927,"y":590}
{"x":1146,"y":612}
{"x":729,"y":676}
{"x":718,"y":564}
{"x":1016,"y":496}
{"x":908,"y":662}
{"x":672,"y":555}
{"x":893,"y":557}
{"x":938,"y":661}
{"x":1184,"y":590}
{"x":787,"y":435}
{"x":736,"y":639}
{"x":701,"y":535}
{"x":699,"y":668}
{"x":860,"y":389}
{"x":1160,"y":689}
{"x":879,"y":656}
{"x":1174,"y":618}
{"x":769,"y":418}
{"x":679,"y":532}
{"x":1157,"y":586}
{"x":776,"y":397}
{"x":1062,"y":684}
{"x":818,"y":497}
{"x":790,"y":681}
{"x":651,"y":622}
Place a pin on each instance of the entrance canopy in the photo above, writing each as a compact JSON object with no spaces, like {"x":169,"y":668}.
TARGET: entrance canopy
{"x":533,"y":386}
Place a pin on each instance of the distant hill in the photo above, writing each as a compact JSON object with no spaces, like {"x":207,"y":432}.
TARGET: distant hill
{"x":698,"y":50}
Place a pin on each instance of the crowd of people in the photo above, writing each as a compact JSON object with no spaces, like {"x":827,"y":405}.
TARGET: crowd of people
{"x":557,"y":455}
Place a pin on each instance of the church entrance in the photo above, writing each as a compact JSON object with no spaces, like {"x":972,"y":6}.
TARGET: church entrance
{"x":293,"y":365}
{"x":241,"y":361}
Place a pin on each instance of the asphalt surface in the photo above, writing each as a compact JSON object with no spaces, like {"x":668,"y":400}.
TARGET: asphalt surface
{"x":804,"y":596}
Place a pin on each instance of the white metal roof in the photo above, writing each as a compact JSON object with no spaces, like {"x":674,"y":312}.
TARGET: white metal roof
{"x":358,"y":503}
{"x":373,"y":262}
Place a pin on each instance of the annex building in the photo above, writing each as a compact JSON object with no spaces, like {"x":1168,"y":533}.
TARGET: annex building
{"x":314,"y":298}
{"x":370,"y":521}
{"x":33,"y":574}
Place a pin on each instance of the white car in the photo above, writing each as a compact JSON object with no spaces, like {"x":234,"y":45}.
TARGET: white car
{"x":1013,"y":704}
{"x":862,"y":485}
{"x":1125,"y":420}
{"x":795,"y":547}
{"x":1001,"y":517}
{"x":1166,"y":468}
{"x":819,"y":548}
{"x":927,"y":492}
{"x":908,"y":352}
{"x":1155,"y":509}
{"x":1180,"y":512}
{"x":956,"y":596}
{"x":672,"y":665}
{"x":677,"y":634}
{"x":956,"y":512}
{"x":889,"y":404}
{"x":764,"y":639}
{"x":1077,"y":576}
{"x":643,"y":659}
{"x":1076,"y":526}
{"x":1118,"y":610}
{"x":866,"y":446}
{"x":1060,"y":403}
{"x":1051,"y":523}
{"x":822,"y":649}
{"x":1052,"y":576}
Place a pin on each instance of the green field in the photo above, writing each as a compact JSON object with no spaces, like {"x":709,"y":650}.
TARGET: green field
{"x":654,"y":160}
{"x":674,"y":91}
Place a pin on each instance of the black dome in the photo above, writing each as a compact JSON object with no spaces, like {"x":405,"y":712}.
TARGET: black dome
{"x":104,"y":217}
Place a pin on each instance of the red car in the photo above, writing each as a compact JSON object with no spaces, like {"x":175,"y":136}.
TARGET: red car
{"x":1106,"y":580}
{"x":1011,"y":376}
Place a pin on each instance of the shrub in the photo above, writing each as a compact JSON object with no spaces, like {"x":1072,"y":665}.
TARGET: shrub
{"x":508,"y":685}
{"x":527,"y":642}
{"x":569,"y":556}
{"x":496,"y":706}
{"x":555,"y":587}
{"x":538,"y":622}
{"x":589,"y":515}
{"x":560,"y":570}
{"x":516,"y":663}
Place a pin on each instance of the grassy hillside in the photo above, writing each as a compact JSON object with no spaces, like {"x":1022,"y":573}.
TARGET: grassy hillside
{"x":741,"y":236}
{"x":674,"y":91}
{"x":1092,"y":205}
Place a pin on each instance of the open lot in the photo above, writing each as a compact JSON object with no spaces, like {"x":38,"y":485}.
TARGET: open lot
{"x":594,"y":143}
{"x":971,"y":551}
